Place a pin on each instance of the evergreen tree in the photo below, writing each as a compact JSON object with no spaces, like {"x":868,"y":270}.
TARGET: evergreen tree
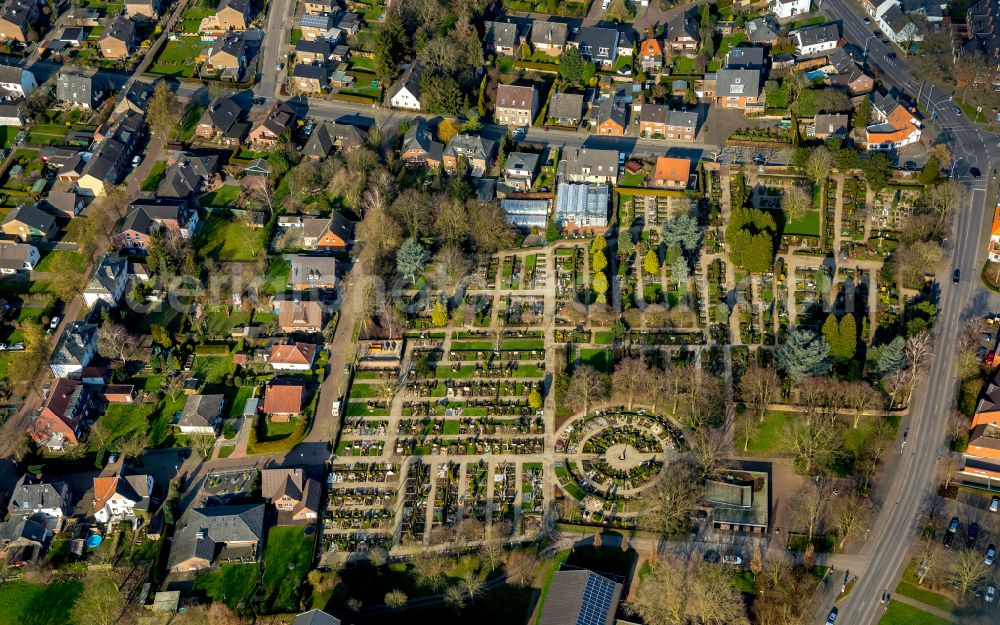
{"x":600,"y":286}
{"x":411,"y":258}
{"x":552,"y":233}
{"x":439,"y":314}
{"x":804,"y":354}
{"x":571,"y":65}
{"x":863,"y":116}
{"x":682,"y":229}
{"x":679,"y":270}
{"x":848,"y":346}
{"x":599,"y":244}
{"x":888,"y":357}
{"x":598,"y":262}
{"x":931,"y":172}
{"x":625,"y":245}
{"x":831,"y":332}
{"x":651,"y":263}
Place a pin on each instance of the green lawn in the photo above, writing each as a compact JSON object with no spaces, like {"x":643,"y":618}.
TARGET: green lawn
{"x":67,"y":258}
{"x":903,"y":614}
{"x":600,"y":359}
{"x":220,"y":323}
{"x":7,"y":135}
{"x":630,"y":179}
{"x":180,"y":51}
{"x":156,"y":175}
{"x":683,"y":65}
{"x":212,"y":369}
{"x":233,"y":583}
{"x":226,"y":239}
{"x":805,"y":226}
{"x":729,"y":41}
{"x":185,"y":131}
{"x":223,"y":196}
{"x":766,"y":440}
{"x":38,"y":604}
{"x":287,"y":558}
{"x":242,"y":396}
{"x":909,"y":587}
{"x":123,"y":420}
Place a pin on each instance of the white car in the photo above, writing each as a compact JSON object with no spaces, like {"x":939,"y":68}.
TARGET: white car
{"x":735,"y":560}
{"x":54,"y":324}
{"x":336,"y":409}
{"x":991,"y":554}
{"x":995,"y":504}
{"x":991,"y":593}
{"x":136,"y":160}
{"x":605,"y":4}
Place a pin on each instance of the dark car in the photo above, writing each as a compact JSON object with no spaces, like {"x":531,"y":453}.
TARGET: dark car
{"x":949,"y":536}
{"x":975,"y":172}
{"x":891,"y":56}
{"x":970,"y":538}
{"x":956,"y":277}
{"x":258,"y":101}
{"x":830,"y":620}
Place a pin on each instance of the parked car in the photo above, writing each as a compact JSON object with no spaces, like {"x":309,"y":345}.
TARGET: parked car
{"x":970,"y":538}
{"x":136,"y":160}
{"x":735,"y":560}
{"x":991,"y":554}
{"x":957,"y":110}
{"x":988,"y":361}
{"x":830,"y":620}
{"x":991,"y":593}
{"x":866,"y":20}
{"x":53,"y":324}
{"x":949,"y":536}
{"x":995,"y":504}
{"x":336,"y":409}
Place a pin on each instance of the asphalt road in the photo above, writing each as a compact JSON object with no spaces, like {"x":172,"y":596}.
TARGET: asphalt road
{"x":915,"y":478}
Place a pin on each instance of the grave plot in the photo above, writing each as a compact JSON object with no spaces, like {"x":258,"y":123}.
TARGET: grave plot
{"x":807,"y":294}
{"x":853,"y":218}
{"x":718,"y":310}
{"x":535,"y":275}
{"x":361,"y":507}
{"x":570,"y":281}
{"x":485,"y":275}
{"x":504,"y":497}
{"x":446,"y":495}
{"x":416,"y":490}
{"x":475,"y":496}
{"x":510,"y":272}
{"x":521,"y":310}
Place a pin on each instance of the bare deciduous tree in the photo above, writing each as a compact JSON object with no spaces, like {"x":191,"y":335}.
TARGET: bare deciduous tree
{"x":667,"y":506}
{"x":850,"y":517}
{"x":586,"y":386}
{"x":967,"y":571}
{"x":629,"y":378}
{"x":759,"y":388}
{"x":809,"y":508}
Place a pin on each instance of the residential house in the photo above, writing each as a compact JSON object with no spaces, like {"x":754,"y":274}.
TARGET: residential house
{"x":419,"y":146}
{"x":77,"y":89}
{"x":292,"y":493}
{"x":548,"y":37}
{"x":311,"y":51}
{"x":983,"y":37}
{"x":340,"y":78}
{"x":329,"y":135}
{"x":23,"y":538}
{"x":763,"y":30}
{"x":827,"y":125}
{"x":108,"y":281}
{"x":982,"y":456}
{"x":187,"y":176}
{"x":315,"y":617}
{"x":405,"y":92}
{"x":75,"y":349}
{"x":32,"y":496}
{"x":341,"y":53}
{"x":580,"y":596}
{"x":310,"y":78}
{"x":650,"y":54}
{"x":994,"y":245}
{"x":283,"y":400}
{"x":321,"y":7}
{"x":896,"y":24}
{"x":231,"y":15}
{"x":145,"y":216}
{"x":312,"y":272}
{"x":16,"y":83}
{"x":279,"y":120}
{"x":65,"y":203}
{"x":746,"y":58}
{"x":612,"y":115}
{"x":63,"y":415}
{"x":118,"y":39}
{"x":894,"y":125}
{"x":299,"y":316}
{"x":657,"y":120}
{"x":29,"y":223}
{"x":320,"y":27}
{"x":519,"y":170}
{"x":10,"y":115}
{"x":478,"y":151}
{"x":682,"y":33}
{"x":738,"y":89}
{"x":222,"y":121}
{"x":515,"y":105}
{"x":785,"y":9}
{"x":228,"y":56}
{"x":566,"y":109}
{"x":16,"y":257}
{"x":208,"y":536}
{"x":525,"y":213}
{"x":134,"y":100}
{"x":292,"y":356}
{"x":17,"y":19}
{"x":118,"y":497}
{"x":855,"y":81}
{"x":110,"y":161}
{"x":201,"y":414}
{"x":70,"y":37}
{"x":582,"y":206}
{"x":672,"y":173}
{"x":816,"y":39}
{"x":502,"y":38}
{"x":597,"y":45}
{"x":149,"y":9}
{"x":590,"y":165}
{"x":327,"y":234}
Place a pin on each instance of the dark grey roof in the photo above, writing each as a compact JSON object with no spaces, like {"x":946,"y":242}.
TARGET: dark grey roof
{"x":895,"y":19}
{"x":661,"y":114}
{"x":762,"y":29}
{"x":613,"y":108}
{"x":596,"y":38}
{"x":139,"y":93}
{"x":470,"y":146}
{"x":201,"y":410}
{"x":14,"y":255}
{"x":206,"y":531}
{"x":120,"y":28}
{"x":243,"y":6}
{"x":566,"y":106}
{"x":681,"y":24}
{"x":30,"y":494}
{"x":30,"y":528}
{"x":19,"y":12}
{"x":320,"y":143}
{"x":10,"y":73}
{"x":410,"y":79}
{"x":745,"y":58}
{"x":521,"y":161}
{"x":75,"y":88}
{"x":232,"y":42}
{"x":144,"y":213}
{"x":550,"y":33}
{"x":317,"y":46}
{"x":817,"y":34}
{"x":72,"y":346}
{"x":500,"y":34}
{"x":600,"y":162}
{"x":737,"y":82}
{"x":420,"y":136}
{"x":36,"y":218}
{"x":312,"y":72}
{"x":106,"y":274}
{"x":223,"y":114}
{"x":315,"y":617}
{"x":580,"y":597}
{"x":319,"y":21}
